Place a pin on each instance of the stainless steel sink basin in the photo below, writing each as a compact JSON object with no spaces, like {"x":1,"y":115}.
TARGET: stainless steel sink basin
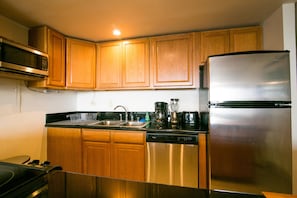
{"x":118,"y":123}
{"x":135,"y":124}
{"x":108,"y":122}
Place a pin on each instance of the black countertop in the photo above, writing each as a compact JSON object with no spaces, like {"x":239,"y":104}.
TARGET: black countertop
{"x":64,"y":184}
{"x":63,"y":120}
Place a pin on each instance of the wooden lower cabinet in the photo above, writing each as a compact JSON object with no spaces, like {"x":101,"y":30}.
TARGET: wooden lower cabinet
{"x":115,"y":153}
{"x":109,"y":153}
{"x":96,"y":152}
{"x":128,"y":152}
{"x":64,"y":148}
{"x":96,"y":158}
{"x":203,"y":175}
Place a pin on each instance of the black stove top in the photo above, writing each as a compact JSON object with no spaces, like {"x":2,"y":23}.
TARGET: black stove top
{"x":22,"y":179}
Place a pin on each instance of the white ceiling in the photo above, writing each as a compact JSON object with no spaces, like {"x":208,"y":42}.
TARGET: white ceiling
{"x":94,"y":19}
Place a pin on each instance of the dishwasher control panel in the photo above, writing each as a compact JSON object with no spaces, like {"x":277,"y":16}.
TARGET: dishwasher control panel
{"x":172,"y":138}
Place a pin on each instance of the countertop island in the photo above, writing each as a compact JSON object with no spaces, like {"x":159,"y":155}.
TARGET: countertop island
{"x":65,"y":184}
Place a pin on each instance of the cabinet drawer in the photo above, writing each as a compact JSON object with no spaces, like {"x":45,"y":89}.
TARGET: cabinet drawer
{"x":131,"y":137}
{"x":96,"y":135}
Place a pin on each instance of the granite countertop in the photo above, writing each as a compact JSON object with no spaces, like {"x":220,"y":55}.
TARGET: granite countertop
{"x":64,"y":184}
{"x":63,"y":120}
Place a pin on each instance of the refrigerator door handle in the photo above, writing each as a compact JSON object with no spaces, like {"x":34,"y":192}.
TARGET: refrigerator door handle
{"x":281,"y":105}
{"x":250,"y":104}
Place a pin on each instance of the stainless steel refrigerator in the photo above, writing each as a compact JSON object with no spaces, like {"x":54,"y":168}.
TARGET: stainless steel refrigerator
{"x":250,"y":122}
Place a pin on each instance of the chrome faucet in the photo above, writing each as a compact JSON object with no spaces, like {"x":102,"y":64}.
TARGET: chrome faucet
{"x":126,"y":112}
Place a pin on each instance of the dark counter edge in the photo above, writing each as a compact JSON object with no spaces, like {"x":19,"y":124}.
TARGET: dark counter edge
{"x":66,"y":184}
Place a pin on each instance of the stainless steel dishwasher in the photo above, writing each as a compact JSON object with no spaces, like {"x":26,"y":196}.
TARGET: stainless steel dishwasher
{"x":172,"y":158}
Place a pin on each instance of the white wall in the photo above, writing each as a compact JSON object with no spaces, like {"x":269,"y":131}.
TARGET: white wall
{"x":273,"y":31}
{"x":290,"y":44}
{"x":136,"y":100}
{"x":22,"y":115}
{"x":279,"y":33}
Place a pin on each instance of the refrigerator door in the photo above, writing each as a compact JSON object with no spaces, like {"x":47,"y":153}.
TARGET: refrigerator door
{"x":250,"y":149}
{"x":262,"y":76}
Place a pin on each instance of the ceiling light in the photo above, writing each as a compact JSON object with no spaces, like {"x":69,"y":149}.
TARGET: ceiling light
{"x":116,"y":32}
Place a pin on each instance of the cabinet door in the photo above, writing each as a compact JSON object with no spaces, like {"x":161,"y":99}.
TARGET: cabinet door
{"x":109,"y":65}
{"x":80,"y":64}
{"x":172,"y":60}
{"x":246,"y":39}
{"x":127,"y":154}
{"x":96,"y":158}
{"x":203,"y":161}
{"x":127,"y":161}
{"x":64,"y":148}
{"x":53,"y":43}
{"x":214,"y":42}
{"x":96,"y":152}
{"x":136,"y":63}
{"x":56,"y":51}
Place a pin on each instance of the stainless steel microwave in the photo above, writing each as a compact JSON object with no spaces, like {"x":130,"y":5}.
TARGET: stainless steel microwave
{"x":22,"y":60}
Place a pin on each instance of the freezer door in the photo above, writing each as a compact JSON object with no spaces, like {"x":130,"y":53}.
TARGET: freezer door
{"x":250,"y":149}
{"x":249,"y":77}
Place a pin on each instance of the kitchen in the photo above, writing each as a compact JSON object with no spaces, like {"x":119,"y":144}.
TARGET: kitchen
{"x":28,"y":108}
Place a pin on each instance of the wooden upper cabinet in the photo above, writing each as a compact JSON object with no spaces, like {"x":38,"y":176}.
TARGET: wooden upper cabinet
{"x":136,"y":69}
{"x":214,"y":42}
{"x":80,"y":64}
{"x":123,"y":64}
{"x":109,"y":65}
{"x":246,"y":39}
{"x":172,"y":60}
{"x":53,"y":43}
{"x":230,"y":40}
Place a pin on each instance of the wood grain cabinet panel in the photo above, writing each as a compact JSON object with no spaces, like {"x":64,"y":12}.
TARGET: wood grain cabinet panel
{"x":123,"y":64}
{"x":109,"y":65}
{"x":230,"y":40}
{"x":96,"y":152}
{"x":115,"y":153}
{"x":246,"y":39}
{"x":136,"y":69}
{"x":96,"y":158}
{"x":172,"y":60}
{"x":53,"y":43}
{"x":203,"y":161}
{"x":80,"y":64}
{"x":214,"y":42}
{"x":128,"y":153}
{"x":128,"y":161}
{"x":64,"y":148}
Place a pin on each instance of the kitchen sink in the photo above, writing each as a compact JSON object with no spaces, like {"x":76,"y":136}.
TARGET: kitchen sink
{"x":109,"y":122}
{"x":135,"y":124}
{"x":118,"y":123}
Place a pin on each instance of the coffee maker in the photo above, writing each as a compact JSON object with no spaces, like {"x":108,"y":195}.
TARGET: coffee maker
{"x":161,"y":115}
